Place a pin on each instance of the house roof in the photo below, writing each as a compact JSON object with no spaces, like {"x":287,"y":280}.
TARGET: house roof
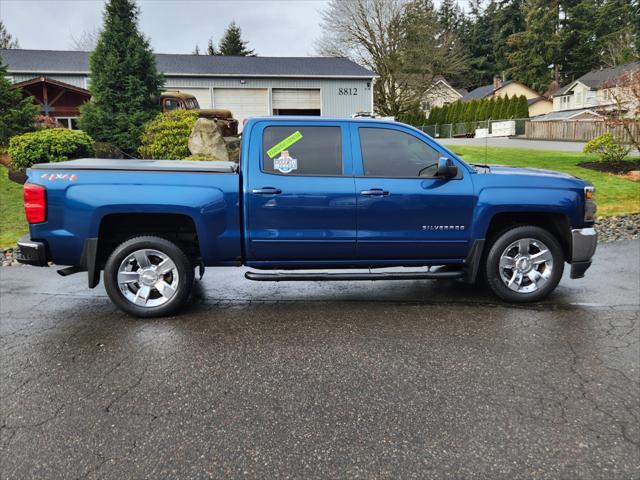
{"x":73,"y":62}
{"x":565,"y":115}
{"x":531,"y":101}
{"x":484,"y":91}
{"x":595,"y":79}
{"x":51,"y":81}
{"x":440,"y":79}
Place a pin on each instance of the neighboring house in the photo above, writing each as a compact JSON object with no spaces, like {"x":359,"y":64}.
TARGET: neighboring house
{"x":56,"y":99}
{"x":440,"y":93}
{"x":538,"y":105}
{"x":592,"y":91}
{"x":248,"y":86}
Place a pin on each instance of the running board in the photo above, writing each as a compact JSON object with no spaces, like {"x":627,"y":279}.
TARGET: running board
{"x":323,"y":276}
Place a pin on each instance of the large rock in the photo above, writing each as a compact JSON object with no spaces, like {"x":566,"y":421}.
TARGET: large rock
{"x":206,"y":140}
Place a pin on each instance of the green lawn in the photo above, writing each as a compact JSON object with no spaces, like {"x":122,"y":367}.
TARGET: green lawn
{"x":614,"y":195}
{"x":13,"y":223}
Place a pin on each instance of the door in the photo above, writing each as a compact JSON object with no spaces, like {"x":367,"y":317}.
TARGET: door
{"x":300,"y":193}
{"x":295,"y":101}
{"x":243,"y":102}
{"x":403,"y":211}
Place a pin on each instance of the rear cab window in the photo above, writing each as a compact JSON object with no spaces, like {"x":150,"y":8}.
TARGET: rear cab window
{"x":299,"y":150}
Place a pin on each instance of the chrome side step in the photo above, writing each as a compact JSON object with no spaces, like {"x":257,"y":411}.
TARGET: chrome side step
{"x":342,"y":276}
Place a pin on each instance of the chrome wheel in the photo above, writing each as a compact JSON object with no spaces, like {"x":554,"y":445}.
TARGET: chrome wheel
{"x":148,"y":278}
{"x":526,"y":265}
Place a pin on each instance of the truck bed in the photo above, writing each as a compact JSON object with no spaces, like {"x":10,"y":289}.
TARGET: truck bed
{"x":135,"y":165}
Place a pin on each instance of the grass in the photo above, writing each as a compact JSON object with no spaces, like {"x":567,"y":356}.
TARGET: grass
{"x":13,"y":223}
{"x":615,"y":196}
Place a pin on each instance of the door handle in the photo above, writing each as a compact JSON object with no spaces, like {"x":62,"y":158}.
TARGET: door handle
{"x":375,"y":192}
{"x":266,"y":191}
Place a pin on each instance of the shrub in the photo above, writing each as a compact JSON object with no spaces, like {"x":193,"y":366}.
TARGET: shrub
{"x":608,"y":148}
{"x":49,"y":145}
{"x":167,"y":135}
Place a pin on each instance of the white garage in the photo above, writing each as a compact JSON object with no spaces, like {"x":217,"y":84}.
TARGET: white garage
{"x":243,"y":102}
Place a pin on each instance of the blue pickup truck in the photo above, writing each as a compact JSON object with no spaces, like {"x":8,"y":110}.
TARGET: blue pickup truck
{"x":313,"y":200}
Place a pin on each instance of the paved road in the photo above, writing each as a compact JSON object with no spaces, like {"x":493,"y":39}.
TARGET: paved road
{"x":304,"y":380}
{"x":515,"y":143}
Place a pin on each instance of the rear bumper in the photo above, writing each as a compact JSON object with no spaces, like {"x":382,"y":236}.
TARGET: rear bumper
{"x":32,"y":252}
{"x":584,"y":242}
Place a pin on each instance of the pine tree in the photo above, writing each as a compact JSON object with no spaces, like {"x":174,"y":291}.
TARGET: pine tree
{"x":231,"y":42}
{"x":444,"y":114}
{"x":580,"y":39}
{"x":16,"y":113}
{"x":512,"y":109}
{"x":450,"y":16}
{"x":125,"y":83}
{"x":535,"y":53}
{"x":196,"y":51}
{"x":6,"y":39}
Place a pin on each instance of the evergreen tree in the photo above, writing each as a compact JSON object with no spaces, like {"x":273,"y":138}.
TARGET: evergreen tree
{"x":492,"y":109}
{"x":16,"y":113}
{"x":618,"y":31}
{"x":231,"y":42}
{"x":523,"y":107}
{"x":482,"y":110}
{"x":196,"y":51}
{"x":125,"y":83}
{"x":450,"y":16}
{"x":535,"y":53}
{"x":444,"y":114}
{"x":433,"y":115}
{"x":512,"y":109}
{"x":6,"y":39}
{"x":579,"y":38}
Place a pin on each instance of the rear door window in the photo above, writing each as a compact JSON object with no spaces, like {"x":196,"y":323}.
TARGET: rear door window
{"x":302,"y":150}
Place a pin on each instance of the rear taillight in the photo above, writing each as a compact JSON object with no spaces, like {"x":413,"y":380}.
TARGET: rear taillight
{"x":35,"y":203}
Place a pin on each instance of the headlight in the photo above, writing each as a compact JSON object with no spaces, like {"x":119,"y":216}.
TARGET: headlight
{"x":590,"y":207}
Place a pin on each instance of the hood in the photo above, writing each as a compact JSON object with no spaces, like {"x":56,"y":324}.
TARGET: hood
{"x":537,"y":172}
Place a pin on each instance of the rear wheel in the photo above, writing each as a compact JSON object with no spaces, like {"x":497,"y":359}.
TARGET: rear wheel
{"x":524,"y":264}
{"x":148,"y":277}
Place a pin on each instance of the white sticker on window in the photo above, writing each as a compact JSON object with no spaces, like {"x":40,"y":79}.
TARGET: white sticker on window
{"x":285,"y":163}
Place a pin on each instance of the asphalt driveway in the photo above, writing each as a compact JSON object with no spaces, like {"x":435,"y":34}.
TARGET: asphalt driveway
{"x":305,"y":380}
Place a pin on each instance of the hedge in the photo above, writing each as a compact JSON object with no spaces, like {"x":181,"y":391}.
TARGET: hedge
{"x":500,"y":108}
{"x":49,"y":145}
{"x":167,"y":135}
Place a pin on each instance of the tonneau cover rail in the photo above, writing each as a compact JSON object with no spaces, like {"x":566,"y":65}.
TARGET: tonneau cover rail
{"x":140,"y":165}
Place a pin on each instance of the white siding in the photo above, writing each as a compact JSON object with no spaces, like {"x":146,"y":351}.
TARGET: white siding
{"x":203,"y":95}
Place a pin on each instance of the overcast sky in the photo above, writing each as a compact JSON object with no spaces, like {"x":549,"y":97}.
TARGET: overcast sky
{"x":272,"y":27}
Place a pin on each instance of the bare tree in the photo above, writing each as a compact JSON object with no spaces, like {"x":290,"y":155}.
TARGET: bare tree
{"x":86,"y":41}
{"x":6,"y":39}
{"x":623,"y":107}
{"x":400,"y":40}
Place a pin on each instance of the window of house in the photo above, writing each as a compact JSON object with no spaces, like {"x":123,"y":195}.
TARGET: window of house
{"x":302,"y":150}
{"x":392,"y":153}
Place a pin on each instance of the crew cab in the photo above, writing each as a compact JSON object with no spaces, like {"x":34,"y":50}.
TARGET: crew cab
{"x":311,"y":200}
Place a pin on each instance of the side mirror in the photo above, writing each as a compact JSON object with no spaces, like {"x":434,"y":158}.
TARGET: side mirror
{"x":446,"y":168}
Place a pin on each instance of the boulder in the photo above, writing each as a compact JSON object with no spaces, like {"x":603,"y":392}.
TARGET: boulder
{"x":206,"y":140}
{"x":233,"y":148}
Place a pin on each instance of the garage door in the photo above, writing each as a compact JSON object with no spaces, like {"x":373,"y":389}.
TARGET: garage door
{"x":243,"y":102}
{"x":296,"y":99}
{"x":202,"y":94}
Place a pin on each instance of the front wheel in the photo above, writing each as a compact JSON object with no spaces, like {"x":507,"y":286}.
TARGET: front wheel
{"x":148,"y":277}
{"x":524,"y":264}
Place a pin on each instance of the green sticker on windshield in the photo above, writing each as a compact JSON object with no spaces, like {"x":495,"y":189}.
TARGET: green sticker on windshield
{"x":284,"y":144}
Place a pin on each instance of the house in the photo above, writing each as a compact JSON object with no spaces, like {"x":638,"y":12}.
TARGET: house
{"x":593,"y":91}
{"x":56,"y":99}
{"x":440,"y":93}
{"x":538,"y":105}
{"x":248,"y":86}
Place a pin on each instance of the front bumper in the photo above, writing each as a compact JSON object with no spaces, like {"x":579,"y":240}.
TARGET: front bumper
{"x":583,"y":246}
{"x":32,"y":252}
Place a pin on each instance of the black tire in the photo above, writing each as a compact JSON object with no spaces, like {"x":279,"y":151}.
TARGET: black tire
{"x":492,"y":272}
{"x":183,"y":283}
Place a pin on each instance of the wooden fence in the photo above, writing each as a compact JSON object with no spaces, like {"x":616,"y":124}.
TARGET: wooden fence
{"x":577,"y":130}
